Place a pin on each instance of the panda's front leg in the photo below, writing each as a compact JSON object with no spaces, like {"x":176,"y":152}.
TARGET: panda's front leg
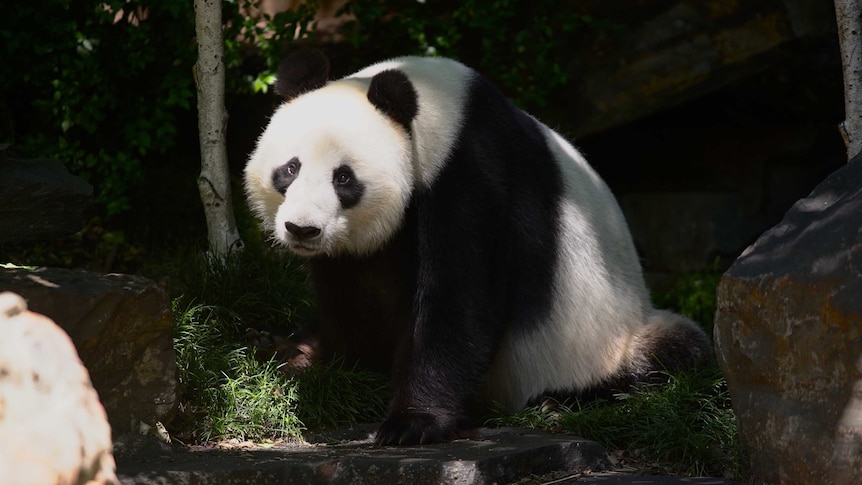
{"x":457,"y":318}
{"x":432,"y":389}
{"x":436,"y":378}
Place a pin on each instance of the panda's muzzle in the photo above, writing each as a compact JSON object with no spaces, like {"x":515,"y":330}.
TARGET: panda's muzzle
{"x":302,"y":232}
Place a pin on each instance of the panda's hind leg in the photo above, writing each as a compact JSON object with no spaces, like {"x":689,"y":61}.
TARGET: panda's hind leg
{"x":666,"y":344}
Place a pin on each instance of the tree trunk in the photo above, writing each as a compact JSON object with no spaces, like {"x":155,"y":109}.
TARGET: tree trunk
{"x":849,"y":16}
{"x":214,"y":179}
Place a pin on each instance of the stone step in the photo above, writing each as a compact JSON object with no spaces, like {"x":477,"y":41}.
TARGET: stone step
{"x":499,"y":455}
{"x":615,"y":478}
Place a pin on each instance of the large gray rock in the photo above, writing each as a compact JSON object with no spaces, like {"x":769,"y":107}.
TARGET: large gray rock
{"x":788,"y":335}
{"x":52,"y":426}
{"x":40,"y":200}
{"x":122,"y":327}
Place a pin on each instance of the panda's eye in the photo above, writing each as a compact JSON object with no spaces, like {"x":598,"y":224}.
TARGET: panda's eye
{"x":292,"y":167}
{"x":342,"y":178}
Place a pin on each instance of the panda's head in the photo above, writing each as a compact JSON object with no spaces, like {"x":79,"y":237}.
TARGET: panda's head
{"x":332,"y":172}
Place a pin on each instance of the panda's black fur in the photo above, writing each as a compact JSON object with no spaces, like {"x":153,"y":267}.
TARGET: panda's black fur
{"x":498,"y":267}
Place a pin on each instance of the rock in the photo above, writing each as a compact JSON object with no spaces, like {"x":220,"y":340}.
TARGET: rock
{"x":658,"y":55}
{"x":53,"y":428}
{"x":40,"y":200}
{"x":627,"y":60}
{"x":122,"y":327}
{"x":788,"y":335}
{"x":502,"y":455}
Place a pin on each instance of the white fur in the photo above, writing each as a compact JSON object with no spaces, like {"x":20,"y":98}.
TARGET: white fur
{"x":336,"y":125}
{"x":325,"y":129}
{"x":600,"y":300}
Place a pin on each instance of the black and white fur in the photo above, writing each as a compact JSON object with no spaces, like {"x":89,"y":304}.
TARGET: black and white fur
{"x":455,"y":241}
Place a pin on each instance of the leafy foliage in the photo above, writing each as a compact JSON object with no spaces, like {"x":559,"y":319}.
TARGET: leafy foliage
{"x":109,"y":97}
{"x":255,"y":41}
{"x":106,"y":86}
{"x":115,"y":94}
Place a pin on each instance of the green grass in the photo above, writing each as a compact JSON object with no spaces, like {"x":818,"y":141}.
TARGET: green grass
{"x":232,"y":390}
{"x":685,"y":426}
{"x":261,"y":287}
{"x":334,"y":395}
{"x":227,"y":392}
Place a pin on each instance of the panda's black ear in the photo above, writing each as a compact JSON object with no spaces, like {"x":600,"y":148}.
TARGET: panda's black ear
{"x":303,"y":70}
{"x":392,"y":93}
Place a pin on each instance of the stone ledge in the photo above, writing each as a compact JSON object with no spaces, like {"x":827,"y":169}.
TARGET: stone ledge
{"x":497,"y":455}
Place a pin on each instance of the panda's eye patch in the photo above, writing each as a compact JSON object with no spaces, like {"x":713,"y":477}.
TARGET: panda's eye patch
{"x":284,"y":175}
{"x":348,"y":188}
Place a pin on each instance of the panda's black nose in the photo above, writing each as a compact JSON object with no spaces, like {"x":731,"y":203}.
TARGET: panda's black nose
{"x":302,"y":232}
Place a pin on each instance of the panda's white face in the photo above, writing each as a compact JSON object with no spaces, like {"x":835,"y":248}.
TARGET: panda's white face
{"x":331,"y":174}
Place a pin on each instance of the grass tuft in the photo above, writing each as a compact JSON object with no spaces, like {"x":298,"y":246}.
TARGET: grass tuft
{"x":335,"y":395}
{"x":686,"y":426}
{"x":264,"y":289}
{"x":227,"y":391}
{"x":257,"y":402}
{"x":230,"y":389}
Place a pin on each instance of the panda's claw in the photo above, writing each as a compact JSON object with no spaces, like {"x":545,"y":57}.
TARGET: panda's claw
{"x":417,"y":428}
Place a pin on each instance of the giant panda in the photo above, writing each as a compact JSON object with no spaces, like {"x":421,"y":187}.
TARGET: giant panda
{"x":455,"y":242}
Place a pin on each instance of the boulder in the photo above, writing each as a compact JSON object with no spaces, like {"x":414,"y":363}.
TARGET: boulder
{"x":788,"y":336}
{"x":40,"y":200}
{"x":53,"y":428}
{"x":122,"y":327}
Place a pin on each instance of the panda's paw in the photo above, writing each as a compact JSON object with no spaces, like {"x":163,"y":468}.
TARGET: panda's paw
{"x":419,"y":428}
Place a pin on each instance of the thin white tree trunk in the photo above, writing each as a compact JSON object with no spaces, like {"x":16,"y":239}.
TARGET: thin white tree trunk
{"x":214,"y":179}
{"x":849,"y":16}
